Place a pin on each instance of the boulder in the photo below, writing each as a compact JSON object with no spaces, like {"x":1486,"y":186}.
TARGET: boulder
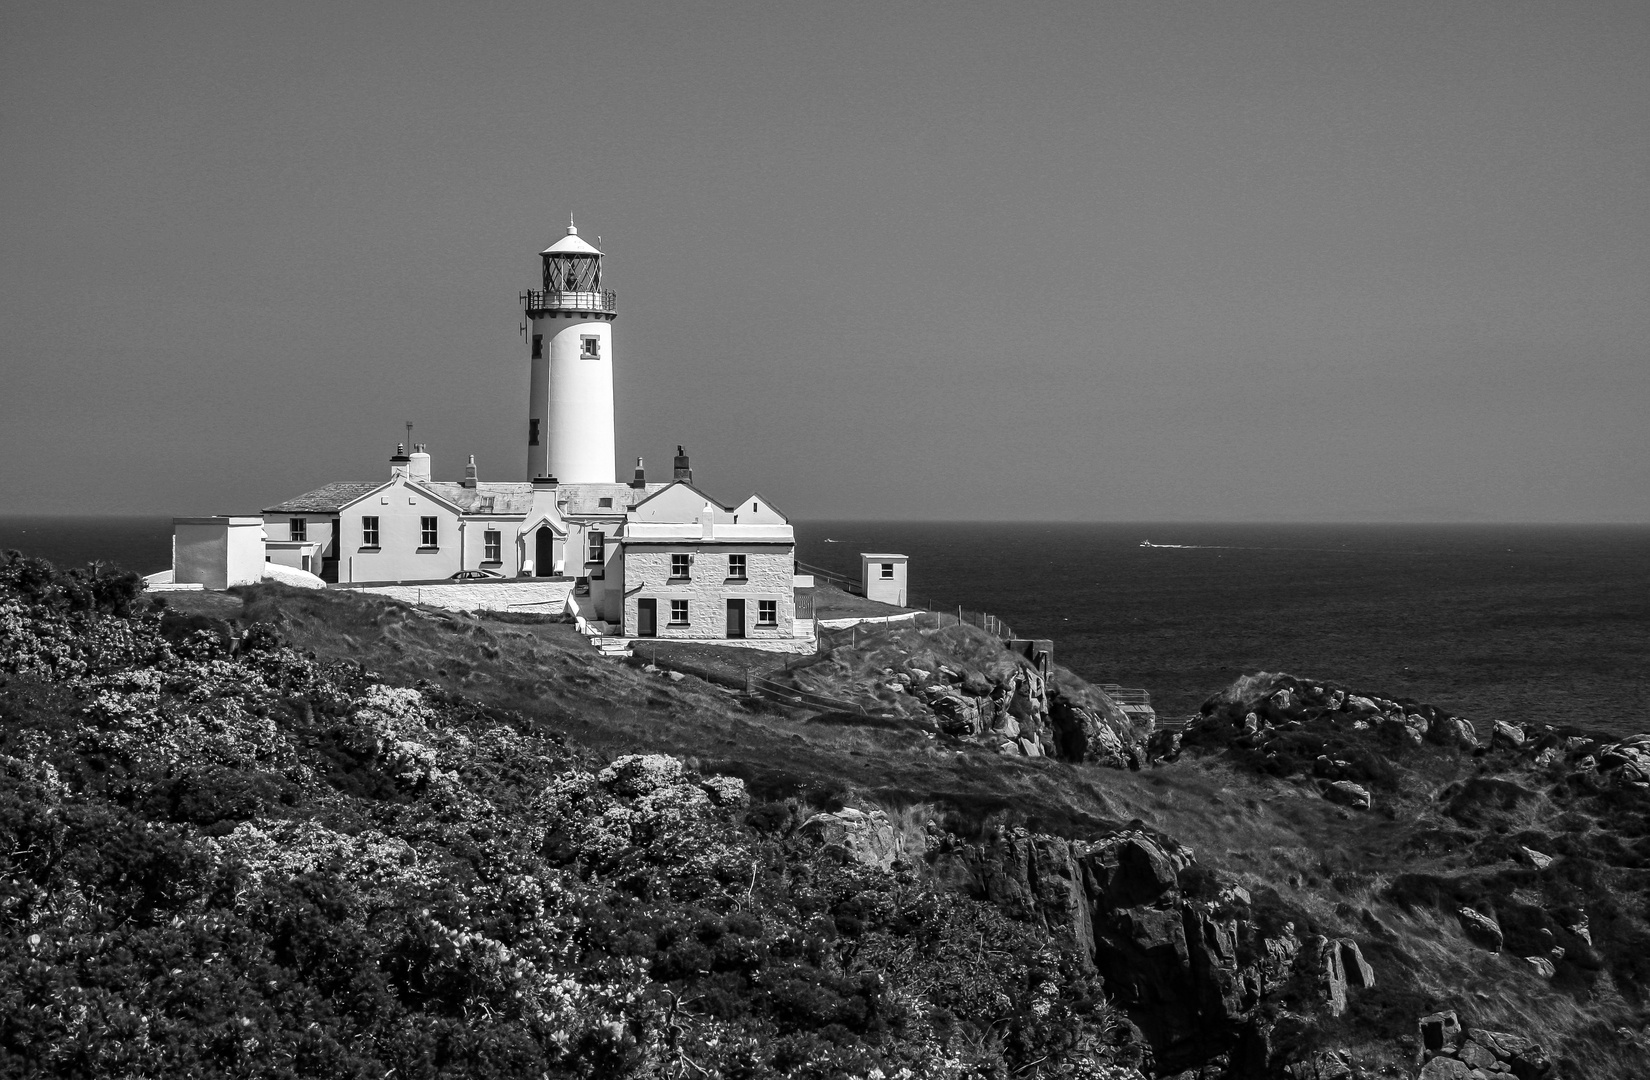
{"x":1359,"y":973}
{"x":1532,"y":857}
{"x":1447,"y":730}
{"x":1522,"y":1057}
{"x":1346,"y":793}
{"x":1629,"y":759}
{"x":1409,"y":729}
{"x":855,"y":836}
{"x":1480,"y":929}
{"x":1507,"y":736}
{"x":956,"y":714}
{"x":1445,"y":1068}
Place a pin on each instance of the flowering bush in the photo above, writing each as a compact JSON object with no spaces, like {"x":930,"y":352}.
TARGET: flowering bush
{"x":218,"y":856}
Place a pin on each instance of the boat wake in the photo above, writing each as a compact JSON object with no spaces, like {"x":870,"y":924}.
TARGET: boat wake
{"x":1236,"y":547}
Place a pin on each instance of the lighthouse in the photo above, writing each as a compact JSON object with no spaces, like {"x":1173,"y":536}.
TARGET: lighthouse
{"x":570,"y":387}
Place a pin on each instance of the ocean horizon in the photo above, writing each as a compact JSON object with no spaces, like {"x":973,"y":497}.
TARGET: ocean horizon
{"x":1540,"y":623}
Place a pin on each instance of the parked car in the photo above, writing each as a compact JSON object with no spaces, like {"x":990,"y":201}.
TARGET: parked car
{"x":476,"y":575}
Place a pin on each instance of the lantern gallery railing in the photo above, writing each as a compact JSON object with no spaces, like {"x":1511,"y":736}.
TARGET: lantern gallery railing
{"x":556,"y":300}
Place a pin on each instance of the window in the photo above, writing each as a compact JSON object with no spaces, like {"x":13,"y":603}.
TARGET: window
{"x":369,"y":532}
{"x":492,"y":546}
{"x":598,"y":547}
{"x":887,"y":569}
{"x":427,"y":531}
{"x":533,"y":432}
{"x":767,"y":613}
{"x":605,"y":500}
{"x":300,"y":528}
{"x":538,"y":346}
{"x":736,"y":566}
{"x":679,"y":565}
{"x":678,"y":613}
{"x":590,"y":347}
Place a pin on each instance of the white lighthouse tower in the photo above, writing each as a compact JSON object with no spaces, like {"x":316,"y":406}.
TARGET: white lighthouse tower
{"x":570,"y":394}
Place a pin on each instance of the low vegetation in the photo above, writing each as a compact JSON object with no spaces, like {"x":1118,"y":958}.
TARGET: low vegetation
{"x":301,"y":834}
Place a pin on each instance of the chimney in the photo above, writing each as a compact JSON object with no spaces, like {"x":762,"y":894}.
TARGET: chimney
{"x":707,"y":522}
{"x":469,"y":480}
{"x":544,"y":482}
{"x":683,"y":472}
{"x":418,"y":465}
{"x":639,"y":481}
{"x":399,"y":461}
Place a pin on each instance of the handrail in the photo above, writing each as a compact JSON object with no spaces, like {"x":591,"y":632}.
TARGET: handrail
{"x":561,"y":300}
{"x":848,"y":584}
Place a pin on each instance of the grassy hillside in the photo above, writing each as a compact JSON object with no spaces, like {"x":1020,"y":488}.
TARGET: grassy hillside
{"x":320,"y":833}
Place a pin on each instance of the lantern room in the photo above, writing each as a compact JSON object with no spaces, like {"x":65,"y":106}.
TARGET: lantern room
{"x":572,"y":264}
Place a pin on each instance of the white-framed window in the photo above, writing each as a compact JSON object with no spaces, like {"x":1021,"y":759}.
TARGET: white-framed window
{"x":736,"y":566}
{"x":678,"y":613}
{"x":598,"y":547}
{"x":492,"y":546}
{"x":369,"y":531}
{"x":428,"y":531}
{"x":299,"y":527}
{"x":679,"y":563}
{"x":767,"y":613}
{"x":590,"y":347}
{"x":887,"y":569}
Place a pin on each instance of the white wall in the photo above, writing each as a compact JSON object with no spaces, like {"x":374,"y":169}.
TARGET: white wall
{"x":217,"y":552}
{"x":572,"y":398}
{"x":882,"y":589}
{"x":520,"y":594}
{"x":400,"y":555}
{"x":768,"y":570}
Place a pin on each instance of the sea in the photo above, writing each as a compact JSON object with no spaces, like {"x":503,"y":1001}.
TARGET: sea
{"x":1547,"y":624}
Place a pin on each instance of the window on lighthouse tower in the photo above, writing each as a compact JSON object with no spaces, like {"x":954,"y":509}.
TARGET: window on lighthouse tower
{"x":591,"y":347}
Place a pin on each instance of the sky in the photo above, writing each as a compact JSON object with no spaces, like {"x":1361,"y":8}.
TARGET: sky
{"x":1127,"y":261}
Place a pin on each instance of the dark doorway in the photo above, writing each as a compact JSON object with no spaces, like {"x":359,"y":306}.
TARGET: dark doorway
{"x":647,"y":618}
{"x":329,"y":554}
{"x":544,"y":553}
{"x":736,"y":618}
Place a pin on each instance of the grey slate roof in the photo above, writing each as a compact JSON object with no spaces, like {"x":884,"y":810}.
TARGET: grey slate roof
{"x":586,"y":498}
{"x":507,"y":498}
{"x":487,"y":497}
{"x":327,"y":500}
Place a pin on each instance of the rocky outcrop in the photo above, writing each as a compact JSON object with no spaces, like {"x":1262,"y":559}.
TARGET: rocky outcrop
{"x":1197,"y":969}
{"x":855,"y":836}
{"x":1346,"y":793}
{"x":1265,"y":702}
{"x":1090,"y":735}
{"x":1628,"y":760}
{"x":1481,"y":930}
{"x":1450,"y":1053}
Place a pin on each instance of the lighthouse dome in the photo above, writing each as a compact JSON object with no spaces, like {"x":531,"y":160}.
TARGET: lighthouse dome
{"x":571,"y":244}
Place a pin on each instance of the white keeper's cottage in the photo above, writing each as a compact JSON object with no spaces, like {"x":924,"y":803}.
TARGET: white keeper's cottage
{"x":641,"y":559}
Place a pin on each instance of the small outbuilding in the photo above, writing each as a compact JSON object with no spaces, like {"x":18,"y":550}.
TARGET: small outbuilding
{"x":217,"y":552}
{"x":884,"y":577}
